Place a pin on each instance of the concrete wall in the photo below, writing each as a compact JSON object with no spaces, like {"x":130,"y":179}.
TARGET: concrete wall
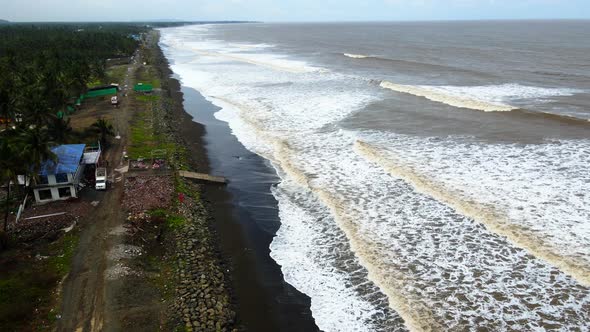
{"x":52,"y":181}
{"x":54,"y":193}
{"x":53,"y":186}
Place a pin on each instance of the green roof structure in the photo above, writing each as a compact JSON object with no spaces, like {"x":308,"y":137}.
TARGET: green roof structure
{"x":100,"y":92}
{"x":140,"y":87}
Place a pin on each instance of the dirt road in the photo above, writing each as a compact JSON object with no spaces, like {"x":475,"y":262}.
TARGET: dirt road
{"x":85,"y":291}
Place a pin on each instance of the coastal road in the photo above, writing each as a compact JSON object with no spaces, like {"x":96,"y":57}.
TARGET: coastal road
{"x":84,"y":290}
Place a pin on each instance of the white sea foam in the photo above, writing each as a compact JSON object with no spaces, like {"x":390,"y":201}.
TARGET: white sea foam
{"x":536,"y":195}
{"x":348,"y":225}
{"x":356,"y":56}
{"x":444,"y":97}
{"x":256,"y":121}
{"x":424,"y":255}
{"x":492,"y":98}
{"x":505,"y":92}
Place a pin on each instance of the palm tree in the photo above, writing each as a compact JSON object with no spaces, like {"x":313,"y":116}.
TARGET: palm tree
{"x":7,"y":90}
{"x":34,"y":103}
{"x":60,"y":131}
{"x":35,"y":149}
{"x":5,"y":172}
{"x":9,"y":169}
{"x":104,"y":130}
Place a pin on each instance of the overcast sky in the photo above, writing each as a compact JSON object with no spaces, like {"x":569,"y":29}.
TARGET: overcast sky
{"x":289,"y":10}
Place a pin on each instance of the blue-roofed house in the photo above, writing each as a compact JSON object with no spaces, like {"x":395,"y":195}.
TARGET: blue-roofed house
{"x":60,"y":180}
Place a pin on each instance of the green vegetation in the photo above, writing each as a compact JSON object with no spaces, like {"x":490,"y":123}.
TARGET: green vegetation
{"x":147,"y":98}
{"x":173,"y":221}
{"x":144,"y":139}
{"x":19,"y":295}
{"x":115,"y":74}
{"x":149,"y":75}
{"x":27,"y":285}
{"x":44,"y":69}
{"x":104,"y":130}
{"x":60,"y":264}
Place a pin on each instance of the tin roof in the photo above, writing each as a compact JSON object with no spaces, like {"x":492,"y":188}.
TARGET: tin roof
{"x":68,"y":159}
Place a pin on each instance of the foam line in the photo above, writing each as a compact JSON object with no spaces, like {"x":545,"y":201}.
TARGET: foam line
{"x":441,"y":97}
{"x":495,"y":220}
{"x":356,"y":56}
{"x":276,"y":66}
{"x":416,"y":318}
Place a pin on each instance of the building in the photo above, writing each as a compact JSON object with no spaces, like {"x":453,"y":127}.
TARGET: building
{"x":145,"y":88}
{"x":60,"y":180}
{"x":98,"y":91}
{"x":92,"y":154}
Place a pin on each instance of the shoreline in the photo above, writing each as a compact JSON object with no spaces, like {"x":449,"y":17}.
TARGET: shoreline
{"x":263,"y":300}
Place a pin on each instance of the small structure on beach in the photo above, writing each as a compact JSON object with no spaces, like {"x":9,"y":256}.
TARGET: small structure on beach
{"x":59,"y":180}
{"x":203,"y":177}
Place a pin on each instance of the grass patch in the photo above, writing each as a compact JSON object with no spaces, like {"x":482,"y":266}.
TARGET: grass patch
{"x":94,"y":83}
{"x":163,"y":278}
{"x":20,"y":295}
{"x":147,"y":98}
{"x":115,"y":74}
{"x":158,"y":213}
{"x":27,"y":284}
{"x":61,"y":263}
{"x":172,"y":221}
{"x":175,"y":222}
{"x":148,"y":74}
{"x":144,"y":140}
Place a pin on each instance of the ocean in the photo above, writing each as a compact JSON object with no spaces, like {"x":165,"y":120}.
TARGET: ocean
{"x":431,"y":175}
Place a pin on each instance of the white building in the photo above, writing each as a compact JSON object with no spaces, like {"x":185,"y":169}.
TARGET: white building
{"x":60,"y":180}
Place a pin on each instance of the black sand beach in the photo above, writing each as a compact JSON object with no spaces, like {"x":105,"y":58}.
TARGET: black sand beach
{"x":246,"y":218}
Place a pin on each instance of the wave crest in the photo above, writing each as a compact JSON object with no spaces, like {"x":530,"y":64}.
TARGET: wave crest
{"x":494,"y":219}
{"x":445,"y":98}
{"x":356,"y":56}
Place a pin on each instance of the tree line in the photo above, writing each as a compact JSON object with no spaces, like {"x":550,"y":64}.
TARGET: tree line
{"x":43,"y":69}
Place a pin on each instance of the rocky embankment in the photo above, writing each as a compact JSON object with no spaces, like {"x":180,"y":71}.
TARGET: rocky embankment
{"x":202,"y":295}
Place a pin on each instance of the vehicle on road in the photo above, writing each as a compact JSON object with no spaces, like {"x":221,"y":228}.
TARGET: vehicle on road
{"x":101,"y":178}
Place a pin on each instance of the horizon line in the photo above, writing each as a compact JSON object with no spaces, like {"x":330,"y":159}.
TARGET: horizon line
{"x":299,"y":21}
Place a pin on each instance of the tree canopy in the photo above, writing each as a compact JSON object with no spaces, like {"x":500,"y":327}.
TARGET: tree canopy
{"x":44,"y":68}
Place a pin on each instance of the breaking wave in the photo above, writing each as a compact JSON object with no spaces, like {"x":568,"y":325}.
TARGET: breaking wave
{"x":490,"y":215}
{"x":445,"y":98}
{"x":373,"y":250}
{"x":491,"y":98}
{"x":356,"y":56}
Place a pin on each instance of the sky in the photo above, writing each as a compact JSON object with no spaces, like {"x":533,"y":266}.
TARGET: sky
{"x":291,"y":10}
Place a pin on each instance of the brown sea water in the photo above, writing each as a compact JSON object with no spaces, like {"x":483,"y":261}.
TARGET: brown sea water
{"x":433,"y":176}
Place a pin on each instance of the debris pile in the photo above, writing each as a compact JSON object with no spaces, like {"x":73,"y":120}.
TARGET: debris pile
{"x":159,"y":164}
{"x":144,"y":193}
{"x":142,"y":164}
{"x":40,"y":228}
{"x":47,"y":221}
{"x":139,"y":164}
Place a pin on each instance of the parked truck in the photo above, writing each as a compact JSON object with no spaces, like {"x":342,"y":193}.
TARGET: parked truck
{"x":101,"y":178}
